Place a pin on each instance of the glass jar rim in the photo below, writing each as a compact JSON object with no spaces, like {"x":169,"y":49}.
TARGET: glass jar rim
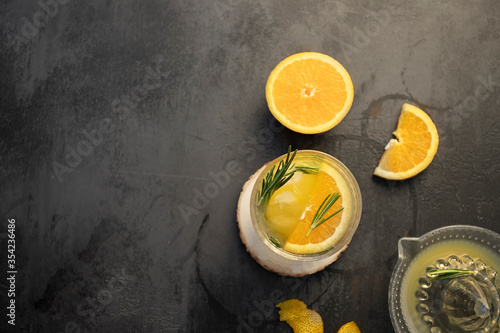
{"x":355,"y":218}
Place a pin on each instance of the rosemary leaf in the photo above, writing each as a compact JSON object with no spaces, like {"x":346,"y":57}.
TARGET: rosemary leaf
{"x":318,"y":218}
{"x":446,"y":273}
{"x":275,"y":180}
{"x":274,"y":241}
{"x":306,"y":169}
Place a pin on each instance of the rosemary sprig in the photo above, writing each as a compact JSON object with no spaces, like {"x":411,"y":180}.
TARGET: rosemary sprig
{"x":306,"y":169}
{"x":445,"y":273}
{"x":318,"y":218}
{"x":275,"y":180}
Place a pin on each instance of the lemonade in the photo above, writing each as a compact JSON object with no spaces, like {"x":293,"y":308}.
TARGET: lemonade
{"x":316,"y":209}
{"x":287,"y":206}
{"x":299,"y":212}
{"x":297,"y":202}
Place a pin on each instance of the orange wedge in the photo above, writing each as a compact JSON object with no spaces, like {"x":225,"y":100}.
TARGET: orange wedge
{"x":414,"y":147}
{"x":299,"y":317}
{"x":350,"y":327}
{"x":309,"y":92}
{"x":327,"y":234}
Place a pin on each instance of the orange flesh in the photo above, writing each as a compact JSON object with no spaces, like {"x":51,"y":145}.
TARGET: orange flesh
{"x":412,"y":147}
{"x":309,"y":92}
{"x":325,"y":184}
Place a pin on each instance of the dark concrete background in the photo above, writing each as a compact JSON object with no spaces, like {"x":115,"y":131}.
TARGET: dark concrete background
{"x":116,"y":115}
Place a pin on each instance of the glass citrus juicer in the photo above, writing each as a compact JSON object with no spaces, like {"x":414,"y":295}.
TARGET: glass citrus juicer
{"x":447,"y":281}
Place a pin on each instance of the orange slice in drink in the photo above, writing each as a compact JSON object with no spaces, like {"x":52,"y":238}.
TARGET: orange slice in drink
{"x":327,"y":234}
{"x":414,"y":147}
{"x":299,"y":317}
{"x":309,"y":92}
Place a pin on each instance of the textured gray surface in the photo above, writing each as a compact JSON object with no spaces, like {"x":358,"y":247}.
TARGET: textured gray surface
{"x":116,"y":114}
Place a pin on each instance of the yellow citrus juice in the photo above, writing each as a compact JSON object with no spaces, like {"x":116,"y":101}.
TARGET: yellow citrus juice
{"x":417,"y":268}
{"x":289,"y":204}
{"x":289,"y":214}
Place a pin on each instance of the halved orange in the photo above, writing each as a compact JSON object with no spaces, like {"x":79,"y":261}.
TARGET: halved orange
{"x":309,"y":92}
{"x":414,"y":147}
{"x":299,"y":317}
{"x":327,"y":234}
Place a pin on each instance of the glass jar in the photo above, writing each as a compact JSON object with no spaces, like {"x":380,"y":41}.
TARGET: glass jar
{"x":284,"y":262}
